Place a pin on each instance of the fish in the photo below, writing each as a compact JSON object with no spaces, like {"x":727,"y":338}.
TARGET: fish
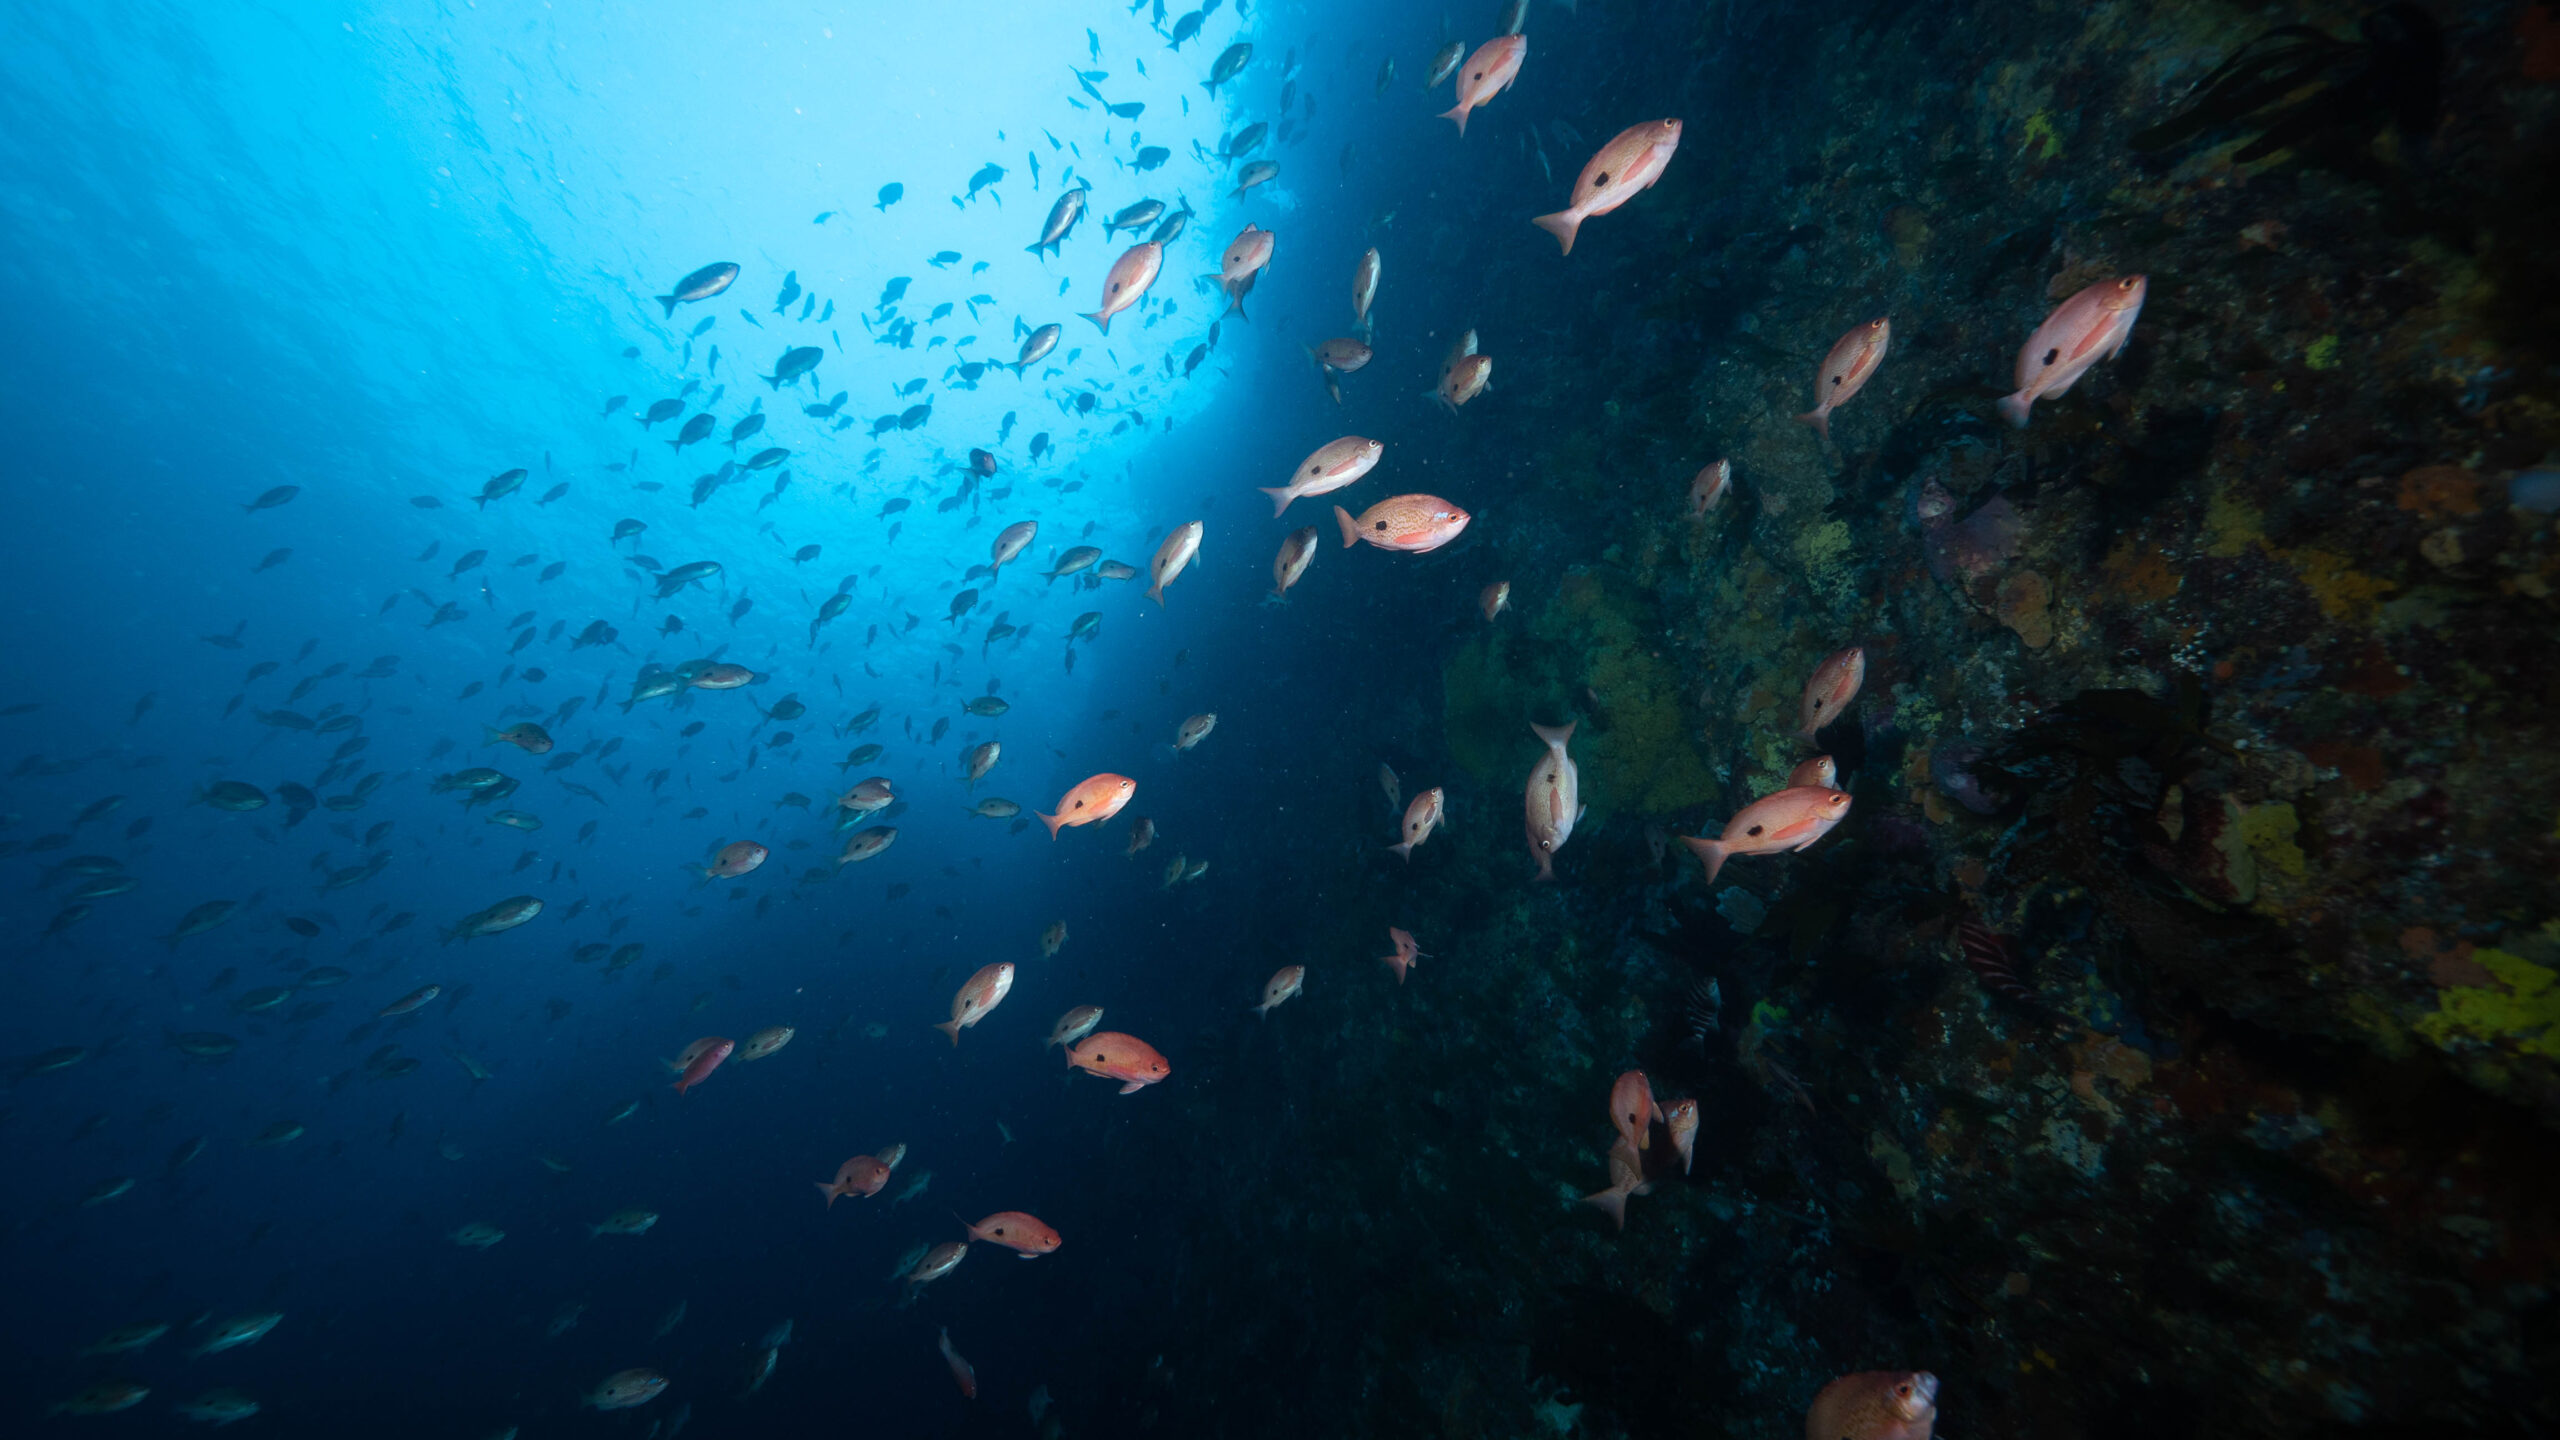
{"x":702,"y":284}
{"x":1286,"y":984}
{"x":1487,"y":73}
{"x":1230,"y":63}
{"x":1853,"y":358}
{"x":532,"y":739}
{"x":766,"y":1041}
{"x":862,"y":1176}
{"x":104,"y":1399}
{"x":1260,"y":172}
{"x":1026,"y":1235}
{"x":1494,"y":599}
{"x":1554,"y":797}
{"x":1192,"y":731}
{"x":625,"y":1390}
{"x":961,"y":1373}
{"x":1410,"y":523}
{"x":1681,"y":1118}
{"x":415,"y":1000}
{"x":1074,"y":1026}
{"x":1407,"y":952}
{"x":1175,"y":553}
{"x":982,"y":758}
{"x":1707,"y":489}
{"x":797,"y":361}
{"x":1515,"y":17}
{"x":1091,"y":801}
{"x":937,"y":1262}
{"x":1834,"y":684}
{"x":237,"y":1331}
{"x":1036,"y":345}
{"x":1627,"y":165}
{"x":867,"y":795}
{"x":1130,"y":276}
{"x":980,"y":994}
{"x":1246,"y":257}
{"x":1633,"y":1109}
{"x":1791,"y":819}
{"x":625,"y":1222}
{"x":1626,"y":1177}
{"x":1063,"y":215}
{"x":1053,"y":939}
{"x":127,"y":1339}
{"x":890,"y":194}
{"x":1125,"y":1058}
{"x":1334,"y":465}
{"x":2094,"y":325}
{"x":1342,"y":355}
{"x":1134,"y":217}
{"x":994,"y":808}
{"x":865,"y":844}
{"x":701,"y":1058}
{"x":1364,"y":288}
{"x":1297,"y":552}
{"x":1074,"y":559}
{"x":1142,"y":833}
{"x":506,"y":915}
{"x":1010,"y":542}
{"x":1395,"y":788}
{"x":1875,"y":1405}
{"x":1420,"y":819}
{"x":1817,"y":771}
{"x":1444,"y":64}
{"x":1462,"y":379}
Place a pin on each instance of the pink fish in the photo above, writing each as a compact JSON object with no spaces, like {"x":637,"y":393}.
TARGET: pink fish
{"x":1633,"y":1109}
{"x":1844,"y":370}
{"x":1487,"y":73}
{"x":701,"y":1058}
{"x":1334,"y":465}
{"x":1248,"y":256}
{"x":1681,"y":1118}
{"x":2091,"y":326}
{"x":1817,"y":771}
{"x":1834,"y":684}
{"x":1628,"y":164}
{"x":1407,"y":951}
{"x":1789,"y":820}
{"x":1626,"y":1177}
{"x":1875,"y":1405}
{"x":1411,"y":523}
{"x":1130,"y":276}
{"x":1707,"y":491}
{"x":1420,"y":819}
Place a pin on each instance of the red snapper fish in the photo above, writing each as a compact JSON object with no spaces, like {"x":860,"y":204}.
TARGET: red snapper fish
{"x":701,"y":1058}
{"x":961,"y":1370}
{"x":1681,"y":1118}
{"x":1494,"y":599}
{"x":1411,"y":523}
{"x":1125,"y":1058}
{"x":1407,"y":951}
{"x":1852,"y":359}
{"x":1633,"y":1109}
{"x":1628,"y":164}
{"x":1707,"y":491}
{"x":1092,"y":801}
{"x":1364,"y":289}
{"x":1789,"y":820}
{"x":1130,"y":276}
{"x":1334,"y":465}
{"x":1834,"y":684}
{"x":1248,"y":256}
{"x":1554,"y":798}
{"x":1626,"y":1177}
{"x":979,"y":994}
{"x":1172,"y":556}
{"x":1487,"y":73}
{"x":1875,"y":1405}
{"x":862,"y":1176}
{"x":1820,"y":770}
{"x":1420,"y":819}
{"x":2091,"y":326}
{"x":1285,"y":984}
{"x":1026,"y":1235}
{"x":734,"y":860}
{"x":1297,"y":552}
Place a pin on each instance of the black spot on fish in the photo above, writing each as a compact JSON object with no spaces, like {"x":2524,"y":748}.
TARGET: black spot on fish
{"x":1754,"y":831}
{"x":1600,"y":179}
{"x":2051,"y":355}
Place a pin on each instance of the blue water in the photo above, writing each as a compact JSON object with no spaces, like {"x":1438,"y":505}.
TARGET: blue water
{"x":383,"y":254}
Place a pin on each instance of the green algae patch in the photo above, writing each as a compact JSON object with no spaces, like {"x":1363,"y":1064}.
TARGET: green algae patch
{"x":2269,"y":832}
{"x":2523,"y":1008}
{"x":1589,"y":655}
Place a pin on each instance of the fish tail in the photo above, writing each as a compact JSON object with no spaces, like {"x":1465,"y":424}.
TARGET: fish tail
{"x":1051,"y":821}
{"x":1820,"y":419}
{"x":1459,"y":116}
{"x":830,"y":1192}
{"x":1280,"y":498}
{"x":1612,"y":1202}
{"x":1155,"y":592}
{"x":670,"y":302}
{"x":1710,"y":853}
{"x":2013,"y":408}
{"x":1103,"y":322}
{"x":1555,"y":735}
{"x":1350,"y":528}
{"x":1563,"y":225}
{"x":1405,"y":850}
{"x":951,"y":1028}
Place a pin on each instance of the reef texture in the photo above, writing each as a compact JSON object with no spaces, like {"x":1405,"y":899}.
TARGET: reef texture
{"x":2214,"y":709}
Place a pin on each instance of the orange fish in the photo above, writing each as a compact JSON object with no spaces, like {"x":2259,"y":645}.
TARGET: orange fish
{"x":1495,"y":599}
{"x":1336,"y":464}
{"x":1420,"y":819}
{"x":1626,"y":1177}
{"x":939,"y":1261}
{"x":979,"y":995}
{"x":1016,"y":1231}
{"x":735,"y":859}
{"x":1407,"y":951}
{"x":1789,"y":820}
{"x":1341,"y":355}
{"x":861,"y":1177}
{"x":1554,"y":797}
{"x":1411,"y":523}
{"x":1682,"y":1118}
{"x":1288,"y":982}
{"x":701,"y":1058}
{"x":1246,"y":257}
{"x":1124,"y":1058}
{"x":1707,"y":491}
{"x":1875,"y":1405}
{"x":1817,"y":771}
{"x":960,"y":1369}
{"x":1171,"y":556}
{"x":1290,"y":566}
{"x":2091,"y":326}
{"x":1487,"y":73}
{"x":1845,"y":369}
{"x":1834,"y":684}
{"x":1130,"y":276}
{"x":1633,"y":1109}
{"x":872,"y":794}
{"x":1464,"y":378}
{"x":1364,"y":289}
{"x":1012,"y":540}
{"x":1628,"y":164}
{"x":1074,"y":1025}
{"x":1090,"y":802}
